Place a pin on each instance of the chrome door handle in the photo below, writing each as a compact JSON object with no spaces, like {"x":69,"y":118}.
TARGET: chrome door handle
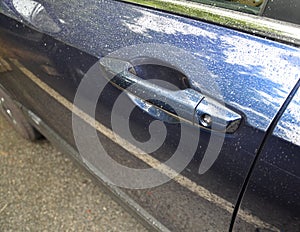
{"x":190,"y":106}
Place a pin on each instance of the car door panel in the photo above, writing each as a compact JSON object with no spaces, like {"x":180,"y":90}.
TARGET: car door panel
{"x":277,"y":166}
{"x":252,"y":75}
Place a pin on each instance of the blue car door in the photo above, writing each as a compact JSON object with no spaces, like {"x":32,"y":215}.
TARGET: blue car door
{"x":167,"y":103}
{"x":277,"y":167}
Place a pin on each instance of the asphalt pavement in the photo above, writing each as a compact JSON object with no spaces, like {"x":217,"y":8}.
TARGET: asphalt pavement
{"x":42,"y":190}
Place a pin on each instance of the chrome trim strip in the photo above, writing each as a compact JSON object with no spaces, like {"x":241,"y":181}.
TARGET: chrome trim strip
{"x":258,"y":25}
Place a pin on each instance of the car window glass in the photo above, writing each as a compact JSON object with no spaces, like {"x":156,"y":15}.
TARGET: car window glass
{"x":283,"y":10}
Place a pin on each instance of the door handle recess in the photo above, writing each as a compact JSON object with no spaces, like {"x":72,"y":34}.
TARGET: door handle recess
{"x":185,"y":105}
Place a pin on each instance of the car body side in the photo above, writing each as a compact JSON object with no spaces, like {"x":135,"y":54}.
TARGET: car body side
{"x":254,"y":77}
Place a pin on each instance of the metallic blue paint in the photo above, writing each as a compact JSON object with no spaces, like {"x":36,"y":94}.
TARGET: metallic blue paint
{"x":254,"y":76}
{"x":251,"y":72}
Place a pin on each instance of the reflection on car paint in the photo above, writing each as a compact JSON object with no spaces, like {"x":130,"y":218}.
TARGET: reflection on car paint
{"x":289,"y":126}
{"x":216,"y":49}
{"x":241,"y":69}
{"x":148,"y":159}
{"x":4,"y":66}
{"x":36,"y":14}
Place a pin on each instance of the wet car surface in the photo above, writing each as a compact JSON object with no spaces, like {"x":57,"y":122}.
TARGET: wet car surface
{"x":178,"y":115}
